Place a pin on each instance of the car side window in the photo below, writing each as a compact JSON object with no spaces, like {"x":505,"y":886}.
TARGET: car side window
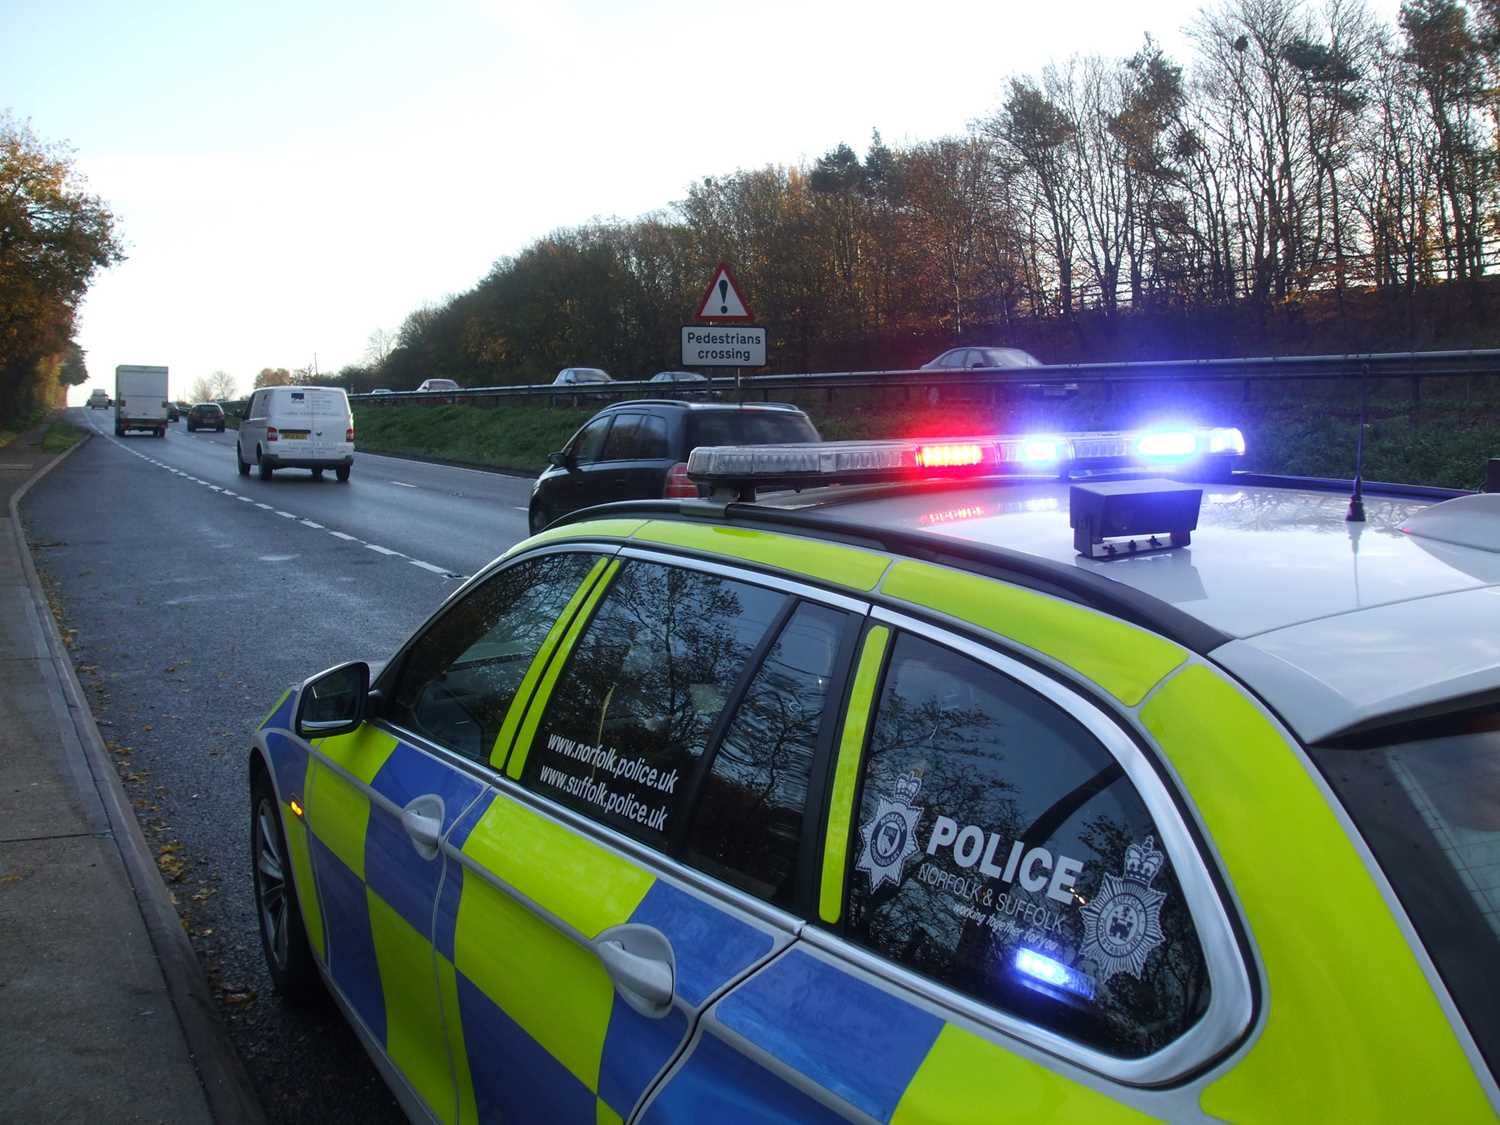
{"x":747,"y":821}
{"x":590,"y":441}
{"x":632,"y":711}
{"x":621,"y":445}
{"x":652,"y":439}
{"x":953,"y":358}
{"x":459,"y":678}
{"x":1001,"y":850}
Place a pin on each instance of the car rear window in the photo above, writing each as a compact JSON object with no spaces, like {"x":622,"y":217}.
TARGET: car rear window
{"x":748,"y":427}
{"x":1426,"y":798}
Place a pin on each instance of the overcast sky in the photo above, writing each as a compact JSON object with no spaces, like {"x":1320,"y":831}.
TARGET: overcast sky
{"x":289,"y":177}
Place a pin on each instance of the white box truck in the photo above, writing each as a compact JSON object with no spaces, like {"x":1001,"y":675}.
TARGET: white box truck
{"x":141,"y":399}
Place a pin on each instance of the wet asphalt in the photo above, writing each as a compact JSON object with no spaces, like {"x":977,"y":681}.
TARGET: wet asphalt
{"x":188,"y":612}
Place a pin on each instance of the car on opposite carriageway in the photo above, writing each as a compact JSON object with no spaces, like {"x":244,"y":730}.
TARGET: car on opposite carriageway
{"x":940,"y":794}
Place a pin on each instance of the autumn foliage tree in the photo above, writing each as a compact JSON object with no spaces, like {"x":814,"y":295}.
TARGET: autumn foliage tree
{"x":54,"y":236}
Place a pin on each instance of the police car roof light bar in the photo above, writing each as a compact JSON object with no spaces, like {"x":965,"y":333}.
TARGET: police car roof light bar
{"x":742,"y":469}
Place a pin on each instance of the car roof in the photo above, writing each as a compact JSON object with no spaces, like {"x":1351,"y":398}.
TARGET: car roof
{"x":703,"y":407}
{"x":1337,"y":625}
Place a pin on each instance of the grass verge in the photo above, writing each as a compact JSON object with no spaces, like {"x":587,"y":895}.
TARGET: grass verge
{"x":15,"y":427}
{"x":61,"y":436}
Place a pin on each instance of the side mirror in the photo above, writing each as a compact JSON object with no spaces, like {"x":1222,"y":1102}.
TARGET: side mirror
{"x":560,"y":460}
{"x":333,"y":702}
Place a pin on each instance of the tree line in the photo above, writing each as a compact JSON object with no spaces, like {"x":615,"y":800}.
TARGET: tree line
{"x":54,"y":236}
{"x":1305,"y":150}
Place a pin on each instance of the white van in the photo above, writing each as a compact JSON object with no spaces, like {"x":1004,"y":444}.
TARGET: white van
{"x":297,"y":428}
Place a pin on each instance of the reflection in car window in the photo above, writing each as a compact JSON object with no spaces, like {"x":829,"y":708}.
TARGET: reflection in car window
{"x":632,"y":711}
{"x":459,"y":678}
{"x":1001,"y":850}
{"x":748,"y":821}
{"x":653,"y":439}
{"x":590,"y":441}
{"x":748,"y":427}
{"x":621,"y":445}
{"x":1426,"y":797}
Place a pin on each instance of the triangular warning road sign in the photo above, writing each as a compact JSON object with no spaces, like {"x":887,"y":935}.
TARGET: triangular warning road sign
{"x":722,"y":300}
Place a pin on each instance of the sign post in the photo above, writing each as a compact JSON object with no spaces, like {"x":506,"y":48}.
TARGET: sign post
{"x":724,"y":335}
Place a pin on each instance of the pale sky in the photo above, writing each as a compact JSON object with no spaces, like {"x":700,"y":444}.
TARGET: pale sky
{"x":290,"y":176}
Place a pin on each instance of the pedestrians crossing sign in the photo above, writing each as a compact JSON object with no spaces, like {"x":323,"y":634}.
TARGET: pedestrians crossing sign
{"x":722,"y":300}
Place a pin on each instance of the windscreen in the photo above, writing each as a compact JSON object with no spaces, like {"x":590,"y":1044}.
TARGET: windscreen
{"x":749,"y":427}
{"x":1426,"y":797}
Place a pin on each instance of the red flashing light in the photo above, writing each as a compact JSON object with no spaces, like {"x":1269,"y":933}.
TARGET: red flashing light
{"x":678,"y":484}
{"x":949,"y":456}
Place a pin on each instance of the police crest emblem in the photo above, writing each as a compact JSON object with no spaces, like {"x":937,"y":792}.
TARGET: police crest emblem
{"x":1122,"y":925}
{"x":890,"y":836}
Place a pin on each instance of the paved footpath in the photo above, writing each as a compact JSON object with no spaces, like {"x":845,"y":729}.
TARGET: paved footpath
{"x":105,"y":1014}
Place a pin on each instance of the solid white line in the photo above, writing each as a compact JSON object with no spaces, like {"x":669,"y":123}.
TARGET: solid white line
{"x":285,"y":515}
{"x":428,"y":566}
{"x":309,"y":523}
{"x":402,"y":484}
{"x":383,"y":550}
{"x":341,"y":535}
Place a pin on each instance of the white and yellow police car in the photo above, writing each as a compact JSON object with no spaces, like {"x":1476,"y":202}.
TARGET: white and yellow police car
{"x":969,"y":782}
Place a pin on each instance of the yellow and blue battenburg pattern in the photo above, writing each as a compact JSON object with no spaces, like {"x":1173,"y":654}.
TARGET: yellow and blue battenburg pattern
{"x":473,"y":971}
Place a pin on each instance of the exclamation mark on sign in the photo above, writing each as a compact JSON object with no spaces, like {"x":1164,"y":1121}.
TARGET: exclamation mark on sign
{"x":723,"y":295}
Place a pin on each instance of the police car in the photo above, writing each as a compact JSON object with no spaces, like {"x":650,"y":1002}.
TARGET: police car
{"x":966,"y":782}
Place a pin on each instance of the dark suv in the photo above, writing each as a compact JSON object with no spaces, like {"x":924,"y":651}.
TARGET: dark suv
{"x":205,"y":416}
{"x":638,"y":450}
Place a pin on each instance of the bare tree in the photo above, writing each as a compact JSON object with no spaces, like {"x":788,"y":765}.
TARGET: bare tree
{"x":379,"y":346}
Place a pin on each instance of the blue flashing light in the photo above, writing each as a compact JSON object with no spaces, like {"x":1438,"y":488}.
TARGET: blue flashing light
{"x":1041,"y":450}
{"x":1226,"y":439}
{"x":1167,"y":444}
{"x":1043,"y":969}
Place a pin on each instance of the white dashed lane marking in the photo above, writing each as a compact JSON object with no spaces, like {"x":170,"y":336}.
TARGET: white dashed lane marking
{"x":376,"y":547}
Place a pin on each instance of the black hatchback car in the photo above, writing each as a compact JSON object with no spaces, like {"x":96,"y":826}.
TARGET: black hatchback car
{"x":205,"y":416}
{"x":638,"y":450}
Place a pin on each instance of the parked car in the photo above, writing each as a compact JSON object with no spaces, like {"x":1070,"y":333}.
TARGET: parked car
{"x":638,"y":450}
{"x":682,"y":383}
{"x":98,"y":399}
{"x":297,"y":428}
{"x":205,"y":416}
{"x":888,"y":803}
{"x":969,"y":359}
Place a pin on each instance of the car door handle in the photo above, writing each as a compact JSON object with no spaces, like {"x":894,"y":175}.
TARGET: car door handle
{"x":422,"y":820}
{"x":639,"y":960}
{"x":647,"y":977}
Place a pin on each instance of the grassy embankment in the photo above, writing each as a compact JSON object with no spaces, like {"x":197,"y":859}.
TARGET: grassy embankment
{"x":1306,"y":431}
{"x":58,"y":436}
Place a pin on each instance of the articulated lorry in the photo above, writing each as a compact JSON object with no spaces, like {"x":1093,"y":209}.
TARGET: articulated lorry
{"x":141,"y":399}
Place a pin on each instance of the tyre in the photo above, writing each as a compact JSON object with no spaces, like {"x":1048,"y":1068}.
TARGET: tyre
{"x":317,"y":474}
{"x":219,"y":430}
{"x":240,"y":461}
{"x":189,"y":427}
{"x":342,"y":472}
{"x":283,"y":937}
{"x":265,"y":469}
{"x":119,"y":431}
